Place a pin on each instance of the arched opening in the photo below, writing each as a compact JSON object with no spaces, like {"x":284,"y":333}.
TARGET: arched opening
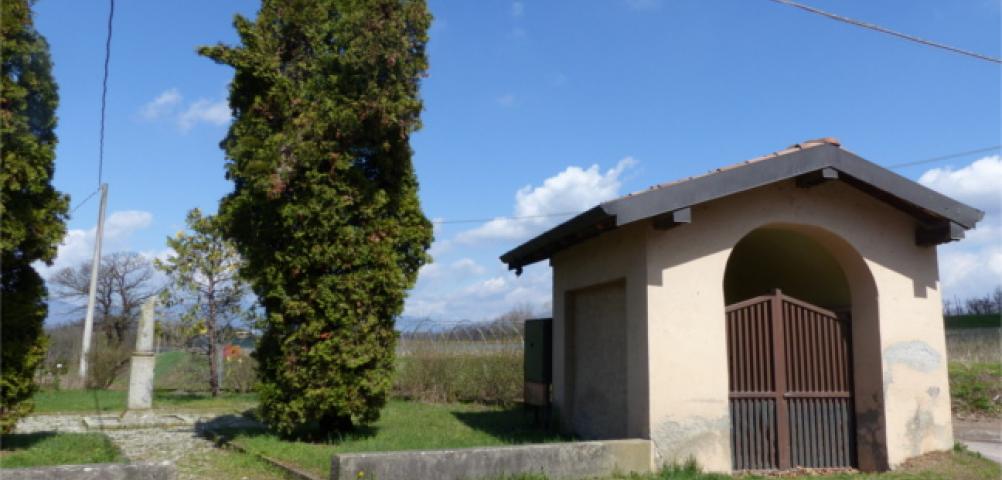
{"x":773,"y":257}
{"x":803,"y":352}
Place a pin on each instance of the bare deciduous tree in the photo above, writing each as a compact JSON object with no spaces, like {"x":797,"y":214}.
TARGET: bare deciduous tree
{"x":125,"y":281}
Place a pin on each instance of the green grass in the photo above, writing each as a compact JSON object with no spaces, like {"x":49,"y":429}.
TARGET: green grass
{"x":975,"y":387}
{"x":47,"y":448}
{"x":168,"y":362}
{"x":227,"y":463}
{"x":973,"y":321}
{"x":402,"y":426}
{"x":956,"y":465}
{"x":102,"y":401}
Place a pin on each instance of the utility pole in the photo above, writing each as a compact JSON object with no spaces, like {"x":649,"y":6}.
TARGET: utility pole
{"x":94,"y":268}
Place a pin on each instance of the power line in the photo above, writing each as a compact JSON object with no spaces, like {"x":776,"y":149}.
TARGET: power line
{"x":567,"y":214}
{"x":82,"y":202}
{"x":482,"y":220}
{"x":104,"y":93}
{"x":888,"y":31}
{"x":944,"y":157}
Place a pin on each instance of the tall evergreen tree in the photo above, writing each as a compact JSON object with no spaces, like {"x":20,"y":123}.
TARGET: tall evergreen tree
{"x":32,"y":213}
{"x":325,"y":209}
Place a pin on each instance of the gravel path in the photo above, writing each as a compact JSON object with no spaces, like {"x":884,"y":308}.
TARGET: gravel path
{"x":144,"y":443}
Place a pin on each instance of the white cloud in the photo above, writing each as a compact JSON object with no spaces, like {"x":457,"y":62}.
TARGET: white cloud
{"x":162,"y":105}
{"x":167,"y":104}
{"x":972,"y":266}
{"x":205,"y":111}
{"x":486,"y":288}
{"x":467,"y":266}
{"x":507,"y":100}
{"x":482,"y":298}
{"x":123,"y":223}
{"x":573,"y":190}
{"x":463,"y":289}
{"x":462,"y":268}
{"x":517,"y":9}
{"x":78,"y":244}
{"x":979,"y":184}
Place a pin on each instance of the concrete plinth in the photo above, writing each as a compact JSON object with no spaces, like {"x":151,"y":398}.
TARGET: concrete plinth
{"x":143,"y":361}
{"x":141,"y":381}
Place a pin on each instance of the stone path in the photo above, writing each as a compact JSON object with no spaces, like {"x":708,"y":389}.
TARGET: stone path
{"x":141,"y":440}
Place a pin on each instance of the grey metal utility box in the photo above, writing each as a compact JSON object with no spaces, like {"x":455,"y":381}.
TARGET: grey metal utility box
{"x":539,"y":350}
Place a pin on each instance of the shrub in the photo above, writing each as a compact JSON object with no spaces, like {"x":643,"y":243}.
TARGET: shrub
{"x":239,"y":373}
{"x":108,"y":361}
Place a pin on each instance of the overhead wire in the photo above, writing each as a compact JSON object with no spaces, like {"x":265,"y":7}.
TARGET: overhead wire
{"x":104,"y":93}
{"x":522,"y":217}
{"x":878,"y":28}
{"x":944,"y":157}
{"x":104,"y":103}
{"x":82,"y":202}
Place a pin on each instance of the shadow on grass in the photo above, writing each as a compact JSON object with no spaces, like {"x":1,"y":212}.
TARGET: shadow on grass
{"x":224,"y":428}
{"x":179,"y":397}
{"x":10,"y":442}
{"x":510,"y":425}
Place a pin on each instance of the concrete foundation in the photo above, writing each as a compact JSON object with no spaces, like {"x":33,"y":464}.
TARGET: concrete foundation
{"x":555,"y":460}
{"x":103,"y":471}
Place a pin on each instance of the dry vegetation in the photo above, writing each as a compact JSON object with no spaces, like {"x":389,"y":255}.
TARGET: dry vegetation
{"x":974,"y":345}
{"x":462,"y":362}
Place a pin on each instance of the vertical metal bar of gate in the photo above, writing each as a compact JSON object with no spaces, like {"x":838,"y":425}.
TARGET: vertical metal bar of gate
{"x":790,"y":385}
{"x":779,"y":355}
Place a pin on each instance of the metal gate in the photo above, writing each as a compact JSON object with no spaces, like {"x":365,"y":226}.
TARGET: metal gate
{"x":790,"y":385}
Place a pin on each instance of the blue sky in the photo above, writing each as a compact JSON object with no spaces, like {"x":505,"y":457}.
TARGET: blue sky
{"x":536,"y":108}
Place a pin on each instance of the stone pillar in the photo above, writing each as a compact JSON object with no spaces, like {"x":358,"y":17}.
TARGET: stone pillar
{"x":143,"y":361}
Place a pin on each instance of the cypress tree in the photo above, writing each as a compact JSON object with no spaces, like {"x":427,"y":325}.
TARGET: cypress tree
{"x":33,"y":213}
{"x":325,"y":209}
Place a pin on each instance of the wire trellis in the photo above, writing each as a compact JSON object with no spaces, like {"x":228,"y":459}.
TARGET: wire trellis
{"x":461,"y":337}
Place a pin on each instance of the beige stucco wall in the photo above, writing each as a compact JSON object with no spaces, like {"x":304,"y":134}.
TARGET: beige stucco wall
{"x":674,"y":297}
{"x":616,"y":257}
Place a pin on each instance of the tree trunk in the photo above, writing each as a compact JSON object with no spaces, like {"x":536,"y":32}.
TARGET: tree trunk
{"x":213,"y":347}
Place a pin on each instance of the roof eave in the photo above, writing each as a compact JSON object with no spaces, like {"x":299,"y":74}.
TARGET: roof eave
{"x":584,"y":225}
{"x":876,"y":180}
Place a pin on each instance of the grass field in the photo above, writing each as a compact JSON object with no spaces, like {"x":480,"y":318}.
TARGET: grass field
{"x":402,"y":426}
{"x":43,"y":449}
{"x":976,"y":388}
{"x":99,"y":401}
